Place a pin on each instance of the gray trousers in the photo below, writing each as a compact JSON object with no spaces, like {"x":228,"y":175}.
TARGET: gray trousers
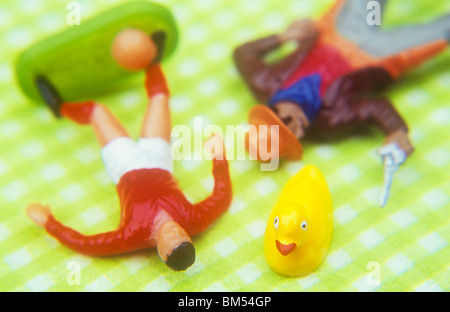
{"x":380,"y":42}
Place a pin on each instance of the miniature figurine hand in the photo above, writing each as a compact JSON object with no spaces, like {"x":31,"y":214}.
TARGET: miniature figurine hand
{"x":394,"y":152}
{"x":400,"y":137}
{"x":38,"y":213}
{"x":215,"y":146}
{"x":299,"y":30}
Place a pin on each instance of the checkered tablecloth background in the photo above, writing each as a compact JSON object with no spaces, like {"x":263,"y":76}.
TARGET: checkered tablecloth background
{"x":57,"y":162}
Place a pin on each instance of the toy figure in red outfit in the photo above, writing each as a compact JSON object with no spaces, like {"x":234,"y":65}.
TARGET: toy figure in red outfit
{"x":154,"y":212}
{"x":328,"y":84}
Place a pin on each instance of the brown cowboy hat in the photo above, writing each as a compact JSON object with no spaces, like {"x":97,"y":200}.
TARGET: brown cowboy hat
{"x":290,"y":146}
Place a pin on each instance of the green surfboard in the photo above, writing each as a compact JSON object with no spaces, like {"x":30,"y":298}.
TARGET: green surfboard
{"x":78,"y":61}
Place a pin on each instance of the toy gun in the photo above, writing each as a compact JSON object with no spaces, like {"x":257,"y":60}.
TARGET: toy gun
{"x":393,"y":156}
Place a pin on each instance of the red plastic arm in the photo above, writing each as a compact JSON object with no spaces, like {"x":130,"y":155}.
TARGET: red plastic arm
{"x":207,"y":211}
{"x":104,"y":244}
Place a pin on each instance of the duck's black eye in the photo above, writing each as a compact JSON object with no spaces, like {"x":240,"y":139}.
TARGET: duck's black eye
{"x":276,"y":222}
{"x":304,"y":225}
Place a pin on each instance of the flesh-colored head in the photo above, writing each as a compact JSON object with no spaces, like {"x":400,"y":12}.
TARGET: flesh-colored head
{"x":134,"y":49}
{"x":174,"y":246}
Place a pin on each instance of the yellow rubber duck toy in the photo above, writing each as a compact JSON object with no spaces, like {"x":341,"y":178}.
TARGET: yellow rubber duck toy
{"x":300,"y":226}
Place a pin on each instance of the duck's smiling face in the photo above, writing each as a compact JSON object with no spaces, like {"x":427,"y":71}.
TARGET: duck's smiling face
{"x":291,"y":227}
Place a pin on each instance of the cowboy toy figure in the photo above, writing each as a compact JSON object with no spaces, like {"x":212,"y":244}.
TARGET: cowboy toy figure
{"x":327,"y":84}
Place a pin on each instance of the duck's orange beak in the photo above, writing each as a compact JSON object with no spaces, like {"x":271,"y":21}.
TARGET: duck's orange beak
{"x":285,"y":249}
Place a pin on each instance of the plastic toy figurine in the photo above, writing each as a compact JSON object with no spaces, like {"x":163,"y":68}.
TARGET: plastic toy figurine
{"x":154,"y":212}
{"x":327,"y":85}
{"x":300,"y":225}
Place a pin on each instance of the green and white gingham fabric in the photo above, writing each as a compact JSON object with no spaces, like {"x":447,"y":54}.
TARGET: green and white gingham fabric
{"x":58,"y":163}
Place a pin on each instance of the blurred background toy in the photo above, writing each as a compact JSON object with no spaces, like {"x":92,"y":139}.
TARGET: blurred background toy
{"x":329,"y":84}
{"x":78,"y":61}
{"x":300,"y":225}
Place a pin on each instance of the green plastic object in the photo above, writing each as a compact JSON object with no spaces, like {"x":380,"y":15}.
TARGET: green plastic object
{"x":78,"y":61}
